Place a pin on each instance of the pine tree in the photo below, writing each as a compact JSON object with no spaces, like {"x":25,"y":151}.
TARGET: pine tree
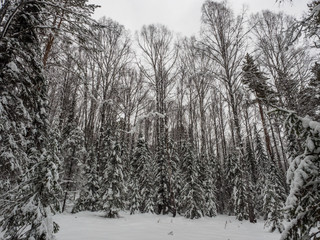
{"x":28,"y":207}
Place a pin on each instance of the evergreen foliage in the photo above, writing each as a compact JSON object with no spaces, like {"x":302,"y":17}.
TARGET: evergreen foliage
{"x":273,"y":200}
{"x":28,"y":207}
{"x":302,"y":204}
{"x":113,"y":188}
{"x":89,"y":198}
{"x":209,"y":187}
{"x":239,"y":194}
{"x":256,"y":80}
{"x":192,"y":196}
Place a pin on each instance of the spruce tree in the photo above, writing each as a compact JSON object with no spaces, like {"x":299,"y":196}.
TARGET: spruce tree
{"x":270,"y":192}
{"x":262,"y":164}
{"x":250,"y":178}
{"x":74,"y":154}
{"x":239,"y":194}
{"x":89,"y":199}
{"x":144,"y":174}
{"x":138,"y":163}
{"x":172,"y":175}
{"x":302,"y":204}
{"x":192,"y":200}
{"x":256,"y":80}
{"x":28,"y":207}
{"x":113,"y":187}
{"x":230,"y":173}
{"x":209,"y":187}
{"x":218,"y":179}
{"x":309,"y":96}
{"x":273,"y":200}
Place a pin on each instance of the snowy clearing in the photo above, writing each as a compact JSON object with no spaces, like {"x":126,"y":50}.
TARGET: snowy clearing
{"x":93,"y":226}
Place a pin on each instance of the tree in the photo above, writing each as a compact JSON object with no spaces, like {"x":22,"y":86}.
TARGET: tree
{"x":302,"y":204}
{"x":159,"y":55}
{"x":89,"y":198}
{"x":28,"y":207}
{"x":142,"y":179}
{"x":257,"y":83}
{"x":262,"y":164}
{"x":74,"y":154}
{"x":223,"y":41}
{"x":273,"y":200}
{"x":113,"y":188}
{"x":211,"y":173}
{"x":192,"y":201}
{"x":240,"y":191}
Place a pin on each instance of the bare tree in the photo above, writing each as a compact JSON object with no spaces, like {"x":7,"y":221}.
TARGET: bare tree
{"x":223,"y":40}
{"x":159,"y":57}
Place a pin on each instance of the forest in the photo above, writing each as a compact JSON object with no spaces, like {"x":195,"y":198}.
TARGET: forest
{"x":96,"y":118}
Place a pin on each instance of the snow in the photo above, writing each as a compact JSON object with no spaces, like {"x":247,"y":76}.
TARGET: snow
{"x":92,"y":225}
{"x":13,"y":67}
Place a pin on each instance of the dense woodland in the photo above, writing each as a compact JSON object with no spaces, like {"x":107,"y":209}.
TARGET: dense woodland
{"x":93,"y":117}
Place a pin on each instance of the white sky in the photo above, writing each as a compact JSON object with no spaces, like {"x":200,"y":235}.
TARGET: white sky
{"x":181,"y":16}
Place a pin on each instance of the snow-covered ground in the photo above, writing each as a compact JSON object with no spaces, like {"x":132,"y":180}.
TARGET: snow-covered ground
{"x":93,"y":226}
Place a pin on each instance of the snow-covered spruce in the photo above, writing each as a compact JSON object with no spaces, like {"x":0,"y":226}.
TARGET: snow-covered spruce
{"x":192,"y":196}
{"x":113,"y":188}
{"x":302,"y":204}
{"x":141,"y":190}
{"x":28,"y":206}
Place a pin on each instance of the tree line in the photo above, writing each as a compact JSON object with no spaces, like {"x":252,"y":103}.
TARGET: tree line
{"x":93,"y":118}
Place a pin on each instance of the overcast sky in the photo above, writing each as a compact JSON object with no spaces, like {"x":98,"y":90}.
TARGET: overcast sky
{"x":181,"y":16}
